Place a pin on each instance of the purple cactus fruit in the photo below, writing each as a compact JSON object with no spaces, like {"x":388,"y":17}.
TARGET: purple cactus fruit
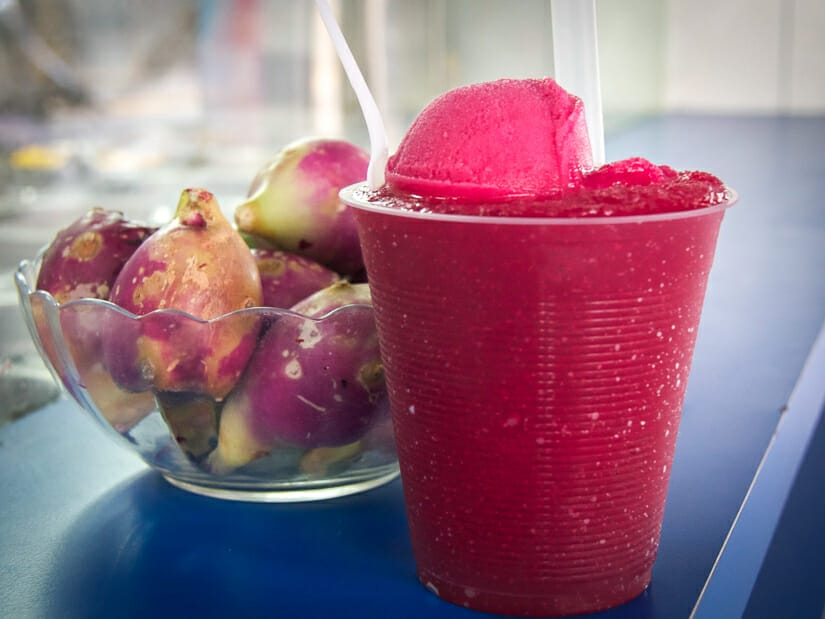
{"x":192,"y":420}
{"x":79,"y":331}
{"x":122,"y":409}
{"x":84,"y":259}
{"x":287,"y":278}
{"x":198,"y":264}
{"x":293,"y":202}
{"x":311,"y":383}
{"x":85,"y":326}
{"x":325,"y":460}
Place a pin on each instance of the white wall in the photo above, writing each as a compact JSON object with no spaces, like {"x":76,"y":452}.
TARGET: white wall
{"x":631,"y":57}
{"x":764,"y":56}
{"x":712,"y":56}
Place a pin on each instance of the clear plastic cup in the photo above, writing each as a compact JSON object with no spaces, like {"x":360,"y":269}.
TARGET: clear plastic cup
{"x":536,"y":370}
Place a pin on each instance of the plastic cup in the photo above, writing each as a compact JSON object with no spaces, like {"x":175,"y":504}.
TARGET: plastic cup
{"x":536,"y":371}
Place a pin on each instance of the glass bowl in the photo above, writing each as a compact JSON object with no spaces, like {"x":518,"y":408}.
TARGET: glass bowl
{"x":261,"y":404}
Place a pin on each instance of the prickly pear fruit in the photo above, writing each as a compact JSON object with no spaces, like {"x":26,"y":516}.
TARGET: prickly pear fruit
{"x":198,"y":264}
{"x":85,"y":327}
{"x":192,"y":420}
{"x":324,"y":460}
{"x":122,"y":409}
{"x":293,"y":202}
{"x":73,"y":343}
{"x":84,"y":258}
{"x":311,"y":383}
{"x":287,"y":278}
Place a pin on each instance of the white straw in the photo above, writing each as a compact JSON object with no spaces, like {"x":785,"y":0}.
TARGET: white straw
{"x":379,"y":151}
{"x":576,"y":60}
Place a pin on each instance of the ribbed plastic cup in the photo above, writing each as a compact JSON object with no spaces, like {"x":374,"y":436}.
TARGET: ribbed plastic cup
{"x":536,"y":371}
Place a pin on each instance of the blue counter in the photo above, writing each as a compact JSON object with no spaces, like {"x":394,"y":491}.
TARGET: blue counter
{"x":87,"y":531}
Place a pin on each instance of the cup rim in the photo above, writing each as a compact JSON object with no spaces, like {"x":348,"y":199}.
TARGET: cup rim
{"x":353,"y":195}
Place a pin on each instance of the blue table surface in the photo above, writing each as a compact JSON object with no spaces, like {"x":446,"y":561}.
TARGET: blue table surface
{"x":86,"y":530}
{"x":795,"y":561}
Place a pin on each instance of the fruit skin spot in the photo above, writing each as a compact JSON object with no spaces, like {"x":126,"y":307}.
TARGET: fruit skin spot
{"x":86,"y":246}
{"x":293,"y":370}
{"x":272,"y":266}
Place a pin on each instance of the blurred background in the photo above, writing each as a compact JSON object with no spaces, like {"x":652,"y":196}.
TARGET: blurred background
{"x":109,"y":99}
{"x":122,"y":104}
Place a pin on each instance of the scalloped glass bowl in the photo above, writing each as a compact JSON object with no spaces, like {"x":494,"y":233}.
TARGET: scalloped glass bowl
{"x":309,"y":439}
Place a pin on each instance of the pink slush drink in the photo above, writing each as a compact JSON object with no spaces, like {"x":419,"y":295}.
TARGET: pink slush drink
{"x":537,"y":322}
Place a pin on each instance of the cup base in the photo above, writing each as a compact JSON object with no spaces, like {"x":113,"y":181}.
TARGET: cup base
{"x":286,"y":492}
{"x":575,"y":600}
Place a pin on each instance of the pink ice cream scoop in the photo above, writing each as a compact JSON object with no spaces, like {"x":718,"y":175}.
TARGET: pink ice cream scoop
{"x":502,"y":138}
